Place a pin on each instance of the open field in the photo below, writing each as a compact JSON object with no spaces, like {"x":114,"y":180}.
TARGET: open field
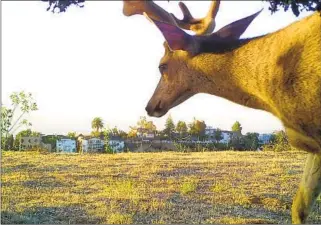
{"x":210,"y":187}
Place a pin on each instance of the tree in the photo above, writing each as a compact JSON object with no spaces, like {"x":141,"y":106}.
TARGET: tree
{"x":237,"y":127}
{"x":97,"y":124}
{"x":197,"y":128}
{"x":132,"y":132}
{"x":146,"y":125}
{"x":72,"y":135}
{"x":251,"y":141}
{"x":22,"y":103}
{"x":24,"y":133}
{"x":181,"y":128}
{"x":108,"y":149}
{"x":297,"y":6}
{"x":218,"y":135}
{"x":280,"y":141}
{"x":51,"y":139}
{"x":117,"y":132}
{"x":169,"y":127}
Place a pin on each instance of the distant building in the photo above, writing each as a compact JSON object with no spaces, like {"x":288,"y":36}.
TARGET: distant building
{"x":145,"y":133}
{"x":210,"y":132}
{"x":117,"y":144}
{"x":265,"y":138}
{"x":30,"y":143}
{"x":95,"y":145}
{"x":226,"y":137}
{"x":66,"y":145}
{"x":33,"y":143}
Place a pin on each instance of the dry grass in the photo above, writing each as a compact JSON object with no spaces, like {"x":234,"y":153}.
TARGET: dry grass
{"x":217,"y":187}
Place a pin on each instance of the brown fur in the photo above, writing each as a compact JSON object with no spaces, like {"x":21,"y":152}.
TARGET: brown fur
{"x":279,"y":73}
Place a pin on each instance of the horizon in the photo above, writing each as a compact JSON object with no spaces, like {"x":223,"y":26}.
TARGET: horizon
{"x":72,"y":63}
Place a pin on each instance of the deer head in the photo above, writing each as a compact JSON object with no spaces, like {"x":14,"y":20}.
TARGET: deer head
{"x":181,"y":76}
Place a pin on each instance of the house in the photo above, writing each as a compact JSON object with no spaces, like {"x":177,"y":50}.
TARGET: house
{"x":265,"y":138}
{"x":95,"y":145}
{"x":66,"y":145}
{"x":226,"y":137}
{"x":116,"y":143}
{"x":145,"y":133}
{"x":210,"y":131}
{"x":88,"y":144}
{"x":30,"y":143}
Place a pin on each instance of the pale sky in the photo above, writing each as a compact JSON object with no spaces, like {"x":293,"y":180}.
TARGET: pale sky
{"x":94,"y":61}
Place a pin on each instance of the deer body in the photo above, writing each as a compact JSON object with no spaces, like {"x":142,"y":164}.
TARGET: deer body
{"x":279,"y":73}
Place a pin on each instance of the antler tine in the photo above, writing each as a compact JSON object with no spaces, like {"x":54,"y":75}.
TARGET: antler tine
{"x":201,"y":26}
{"x":150,"y":8}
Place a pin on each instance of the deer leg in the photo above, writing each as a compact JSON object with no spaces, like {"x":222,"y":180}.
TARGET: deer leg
{"x":309,"y":189}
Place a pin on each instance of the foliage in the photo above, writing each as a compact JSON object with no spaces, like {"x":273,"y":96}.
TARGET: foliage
{"x":251,"y":141}
{"x":218,"y":135}
{"x":297,"y":6}
{"x":7,"y":143}
{"x":24,"y":133}
{"x":61,"y":5}
{"x":169,"y":127}
{"x":22,"y":103}
{"x":108,"y":149}
{"x":117,"y":132}
{"x":97,"y":124}
{"x":181,"y":128}
{"x":72,"y":135}
{"x":279,"y":142}
{"x":132,"y":132}
{"x":237,"y":127}
{"x":197,"y":128}
{"x":147,"y":125}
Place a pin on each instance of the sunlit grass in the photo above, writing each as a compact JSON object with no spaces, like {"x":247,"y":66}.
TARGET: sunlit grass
{"x":210,"y":187}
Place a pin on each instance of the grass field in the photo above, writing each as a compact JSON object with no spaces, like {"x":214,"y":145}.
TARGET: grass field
{"x":210,"y":187}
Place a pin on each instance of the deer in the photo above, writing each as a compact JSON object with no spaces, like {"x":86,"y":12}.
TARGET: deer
{"x":279,"y":72}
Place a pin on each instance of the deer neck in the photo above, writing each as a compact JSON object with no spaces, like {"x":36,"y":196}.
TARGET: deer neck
{"x":255,"y":72}
{"x":239,"y":75}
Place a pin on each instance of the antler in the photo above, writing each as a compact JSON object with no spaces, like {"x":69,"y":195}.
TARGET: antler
{"x":202,"y":26}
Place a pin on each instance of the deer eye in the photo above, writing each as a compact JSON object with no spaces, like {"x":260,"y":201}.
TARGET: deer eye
{"x":162,"y":68}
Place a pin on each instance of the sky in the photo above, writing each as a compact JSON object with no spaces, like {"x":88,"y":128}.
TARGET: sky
{"x":95,"y":62}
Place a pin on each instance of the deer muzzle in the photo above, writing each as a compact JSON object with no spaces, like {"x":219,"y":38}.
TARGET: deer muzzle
{"x":156,"y":110}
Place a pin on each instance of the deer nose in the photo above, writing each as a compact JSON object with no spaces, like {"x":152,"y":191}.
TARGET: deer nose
{"x":151,"y":108}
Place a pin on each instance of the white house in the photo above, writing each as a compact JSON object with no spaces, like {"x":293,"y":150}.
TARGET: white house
{"x":66,"y":145}
{"x":210,"y":132}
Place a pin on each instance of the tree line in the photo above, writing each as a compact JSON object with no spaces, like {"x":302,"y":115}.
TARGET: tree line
{"x":22,"y":103}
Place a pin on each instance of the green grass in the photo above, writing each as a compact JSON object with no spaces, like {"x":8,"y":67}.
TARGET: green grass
{"x":210,"y":187}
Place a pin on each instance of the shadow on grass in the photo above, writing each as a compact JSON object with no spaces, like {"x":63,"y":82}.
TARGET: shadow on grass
{"x":49,"y":215}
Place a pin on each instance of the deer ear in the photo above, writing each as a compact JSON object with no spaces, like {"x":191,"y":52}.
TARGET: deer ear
{"x":176,"y":38}
{"x":237,"y":28}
